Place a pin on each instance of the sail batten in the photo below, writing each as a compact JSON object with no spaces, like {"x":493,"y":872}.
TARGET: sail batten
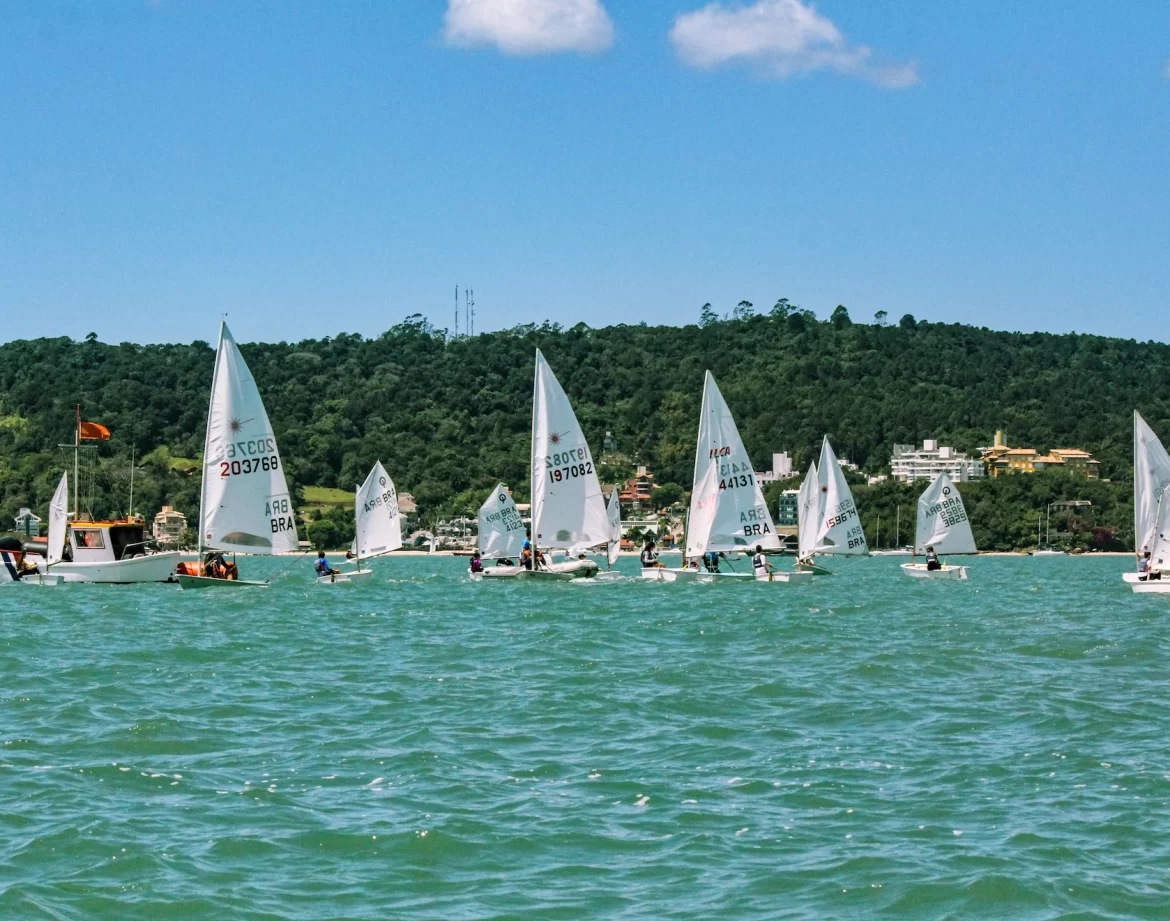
{"x":568,"y":508}
{"x":246,"y":507}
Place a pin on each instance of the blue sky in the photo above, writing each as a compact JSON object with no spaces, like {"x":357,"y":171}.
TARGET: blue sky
{"x":313,"y":168}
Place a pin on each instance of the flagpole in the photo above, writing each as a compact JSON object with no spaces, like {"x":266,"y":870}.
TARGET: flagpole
{"x":76,"y":453}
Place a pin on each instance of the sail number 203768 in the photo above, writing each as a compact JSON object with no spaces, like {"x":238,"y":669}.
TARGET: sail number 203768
{"x":249,"y":456}
{"x":248,"y":465}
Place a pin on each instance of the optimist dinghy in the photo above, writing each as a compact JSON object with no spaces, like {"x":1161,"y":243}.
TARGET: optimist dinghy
{"x":377,"y":523}
{"x":943,"y":527}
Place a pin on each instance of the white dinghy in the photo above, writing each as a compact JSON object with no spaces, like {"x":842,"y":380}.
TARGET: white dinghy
{"x":244,"y":504}
{"x":501,"y":534}
{"x":377,"y":523}
{"x":837,"y":525}
{"x":568,"y":508}
{"x":1151,"y":530}
{"x":943,"y":527}
{"x":728,"y":513}
{"x":613,"y":547}
{"x":808,"y":519}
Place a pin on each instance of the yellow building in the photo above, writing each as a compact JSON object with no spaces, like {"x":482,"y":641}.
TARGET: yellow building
{"x":1002,"y":459}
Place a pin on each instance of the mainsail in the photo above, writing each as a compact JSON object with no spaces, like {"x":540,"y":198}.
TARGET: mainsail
{"x":839,"y":532}
{"x":1151,"y":477}
{"x":704,"y":508}
{"x":568,"y":509}
{"x":501,"y":530}
{"x":741,"y":518}
{"x":613,"y":513}
{"x":942,"y":520}
{"x":58,"y":519}
{"x":808,"y":514}
{"x":245,"y":506}
{"x":379,"y":525}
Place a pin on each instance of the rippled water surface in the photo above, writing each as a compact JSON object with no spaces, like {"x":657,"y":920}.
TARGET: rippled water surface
{"x":426,"y":747}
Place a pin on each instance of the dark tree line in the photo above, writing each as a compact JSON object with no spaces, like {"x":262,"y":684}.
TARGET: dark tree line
{"x":447,"y":415}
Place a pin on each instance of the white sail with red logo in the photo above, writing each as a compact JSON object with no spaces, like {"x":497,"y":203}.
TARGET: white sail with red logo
{"x":839,"y":531}
{"x":568,"y":508}
{"x":245,"y":506}
{"x":740,"y":518}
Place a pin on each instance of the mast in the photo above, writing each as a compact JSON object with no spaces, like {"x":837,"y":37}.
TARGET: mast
{"x":532,"y":468}
{"x":898,"y":527}
{"x":877,"y":540}
{"x":207,"y":439}
{"x":131,"y":477}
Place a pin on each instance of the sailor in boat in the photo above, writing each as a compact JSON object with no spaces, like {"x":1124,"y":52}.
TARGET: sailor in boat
{"x":932,"y":562}
{"x":323,"y":568}
{"x":476,"y":562}
{"x":760,"y":562}
{"x":541,"y":562}
{"x":526,"y":549}
{"x":711,"y":561}
{"x":14,"y":563}
{"x":216,"y":567}
{"x":504,"y":561}
{"x":649,"y":557}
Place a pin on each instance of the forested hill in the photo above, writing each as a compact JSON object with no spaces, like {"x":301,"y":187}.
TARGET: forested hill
{"x":446,"y":415}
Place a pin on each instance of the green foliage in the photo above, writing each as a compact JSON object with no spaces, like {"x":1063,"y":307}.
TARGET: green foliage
{"x":450,"y":417}
{"x":333,"y":530}
{"x":668,"y":494}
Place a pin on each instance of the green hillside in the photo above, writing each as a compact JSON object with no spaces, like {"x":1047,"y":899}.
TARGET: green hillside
{"x":450,"y":415}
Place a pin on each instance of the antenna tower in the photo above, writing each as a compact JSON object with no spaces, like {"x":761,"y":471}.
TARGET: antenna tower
{"x":456,"y":311}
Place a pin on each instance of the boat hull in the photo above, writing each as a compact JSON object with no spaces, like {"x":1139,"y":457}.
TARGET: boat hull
{"x":36,"y":578}
{"x":919,"y":571}
{"x":154,"y":567}
{"x":345,"y":577}
{"x":195,"y":582}
{"x":795,"y":578}
{"x":556,"y":572}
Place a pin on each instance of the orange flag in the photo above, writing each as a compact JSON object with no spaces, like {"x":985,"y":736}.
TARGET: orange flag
{"x":93,"y":431}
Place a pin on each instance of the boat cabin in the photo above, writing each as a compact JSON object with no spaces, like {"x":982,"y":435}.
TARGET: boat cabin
{"x":106,"y":541}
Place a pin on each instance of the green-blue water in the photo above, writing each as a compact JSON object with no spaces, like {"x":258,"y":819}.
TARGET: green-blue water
{"x":426,"y":747}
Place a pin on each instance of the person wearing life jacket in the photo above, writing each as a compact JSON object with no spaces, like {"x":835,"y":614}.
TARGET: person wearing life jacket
{"x":214,"y":566}
{"x":323,"y":568}
{"x":476,"y":562}
{"x":649,"y":557}
{"x":932,"y":562}
{"x":711,"y":561}
{"x":760,"y":564}
{"x":526,"y":549}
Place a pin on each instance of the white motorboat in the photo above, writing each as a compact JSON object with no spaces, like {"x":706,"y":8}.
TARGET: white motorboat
{"x":244,"y":503}
{"x":942,"y":527}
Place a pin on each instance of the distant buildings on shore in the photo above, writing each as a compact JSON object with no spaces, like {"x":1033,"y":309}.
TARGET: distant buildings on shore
{"x":169,"y":526}
{"x":909,"y":465}
{"x":1001,"y":459}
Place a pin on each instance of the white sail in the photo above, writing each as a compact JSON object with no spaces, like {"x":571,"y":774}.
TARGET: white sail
{"x":1151,"y":477}
{"x":839,"y":531}
{"x":568,"y":509}
{"x":808,"y":514}
{"x":703,"y":512}
{"x":501,"y":529}
{"x":942,"y":520}
{"x":613,"y":513}
{"x":742,"y":519}
{"x":378,"y":523}
{"x":58,"y":520}
{"x":245,"y":505}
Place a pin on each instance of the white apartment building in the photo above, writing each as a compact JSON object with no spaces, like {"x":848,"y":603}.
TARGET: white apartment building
{"x":908,"y":465}
{"x":169,"y":526}
{"x":781,"y":469}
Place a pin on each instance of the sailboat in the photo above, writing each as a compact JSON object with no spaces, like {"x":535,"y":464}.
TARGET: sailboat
{"x":377,"y":523}
{"x":501,"y":532}
{"x":838,"y":526}
{"x":244,"y":504}
{"x":942,"y":526}
{"x":613,"y":514}
{"x":1151,"y":529}
{"x":807,"y":522}
{"x":728,"y":513}
{"x":568,"y":508}
{"x":1046,"y":549}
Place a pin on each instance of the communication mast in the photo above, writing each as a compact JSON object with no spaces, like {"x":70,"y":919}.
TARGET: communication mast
{"x":456,"y":311}
{"x":472,"y":326}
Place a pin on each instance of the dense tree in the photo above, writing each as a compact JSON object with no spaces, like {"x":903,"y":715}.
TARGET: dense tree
{"x":452,"y":416}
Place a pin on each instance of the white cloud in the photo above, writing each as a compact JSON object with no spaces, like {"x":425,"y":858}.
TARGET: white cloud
{"x":527,"y":27}
{"x":780,"y":38}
